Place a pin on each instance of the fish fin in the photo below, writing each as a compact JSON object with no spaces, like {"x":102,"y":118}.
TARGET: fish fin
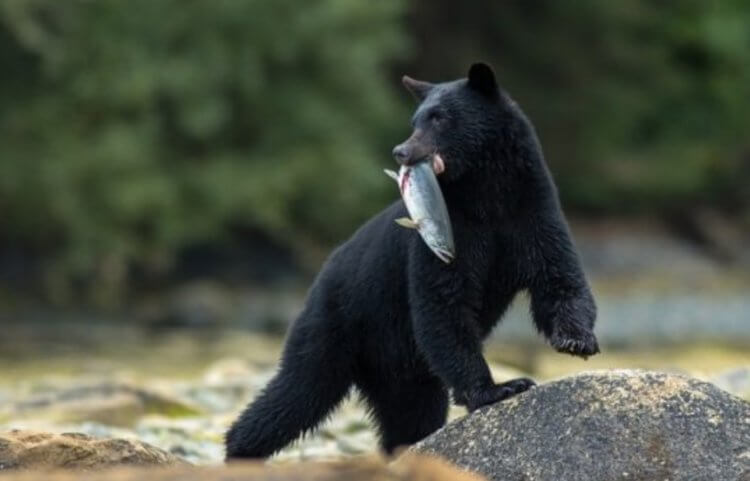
{"x":408,"y":223}
{"x":392,"y":174}
{"x":445,"y":256}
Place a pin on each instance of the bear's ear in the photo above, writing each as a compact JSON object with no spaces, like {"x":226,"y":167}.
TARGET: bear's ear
{"x":482,"y":79}
{"x":418,"y":88}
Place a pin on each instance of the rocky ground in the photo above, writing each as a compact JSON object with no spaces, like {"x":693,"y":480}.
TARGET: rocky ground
{"x":180,"y":391}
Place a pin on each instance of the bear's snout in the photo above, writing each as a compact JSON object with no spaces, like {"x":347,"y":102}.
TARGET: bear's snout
{"x":419,"y":146}
{"x":401,"y":154}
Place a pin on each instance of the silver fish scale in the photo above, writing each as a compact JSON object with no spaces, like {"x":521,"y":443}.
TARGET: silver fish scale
{"x":426,"y":205}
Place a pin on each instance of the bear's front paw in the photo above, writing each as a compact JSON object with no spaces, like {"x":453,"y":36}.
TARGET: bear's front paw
{"x":495,"y":393}
{"x":581,"y":343}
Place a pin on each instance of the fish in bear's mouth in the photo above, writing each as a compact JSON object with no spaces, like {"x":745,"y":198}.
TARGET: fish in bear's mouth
{"x":438,"y":166}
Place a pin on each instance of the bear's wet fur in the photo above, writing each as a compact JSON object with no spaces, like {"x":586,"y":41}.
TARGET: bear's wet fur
{"x":386,"y":316}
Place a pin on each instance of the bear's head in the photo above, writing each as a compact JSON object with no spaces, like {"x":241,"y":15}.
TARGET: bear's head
{"x":456,"y":123}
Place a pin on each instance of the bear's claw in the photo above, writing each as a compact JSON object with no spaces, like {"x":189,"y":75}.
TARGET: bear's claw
{"x":495,"y":393}
{"x":584,"y":346}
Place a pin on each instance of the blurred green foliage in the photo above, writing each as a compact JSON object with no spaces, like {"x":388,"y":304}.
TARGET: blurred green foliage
{"x":133,"y":129}
{"x":641,"y":106}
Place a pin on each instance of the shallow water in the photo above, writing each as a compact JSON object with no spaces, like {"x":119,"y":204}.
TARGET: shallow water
{"x":635,"y":318}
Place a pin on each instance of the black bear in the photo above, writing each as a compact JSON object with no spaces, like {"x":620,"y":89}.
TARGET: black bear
{"x":388,"y":317}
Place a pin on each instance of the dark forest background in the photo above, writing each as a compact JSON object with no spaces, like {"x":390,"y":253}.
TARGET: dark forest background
{"x":146,"y":142}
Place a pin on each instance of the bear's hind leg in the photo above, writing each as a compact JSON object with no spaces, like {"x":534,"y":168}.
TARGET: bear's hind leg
{"x":407,"y":412}
{"x":313,"y":379}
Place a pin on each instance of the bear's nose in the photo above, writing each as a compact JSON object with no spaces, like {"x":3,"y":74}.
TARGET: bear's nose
{"x":401,"y":153}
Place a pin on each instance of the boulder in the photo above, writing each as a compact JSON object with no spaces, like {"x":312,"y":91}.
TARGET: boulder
{"x":613,"y":425}
{"x":40,"y":450}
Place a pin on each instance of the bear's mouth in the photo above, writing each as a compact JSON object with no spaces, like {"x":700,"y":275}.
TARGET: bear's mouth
{"x":438,"y":164}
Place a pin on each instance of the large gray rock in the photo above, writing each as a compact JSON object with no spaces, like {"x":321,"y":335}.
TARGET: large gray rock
{"x":613,"y":425}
